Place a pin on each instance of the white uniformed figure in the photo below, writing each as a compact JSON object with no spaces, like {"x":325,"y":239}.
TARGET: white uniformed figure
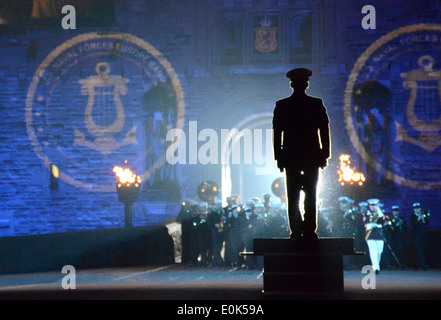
{"x":373,"y":222}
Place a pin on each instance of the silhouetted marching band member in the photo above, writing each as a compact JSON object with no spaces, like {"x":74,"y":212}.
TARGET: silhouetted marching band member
{"x":252,"y":227}
{"x":276,"y":221}
{"x":348,"y":220}
{"x":204,"y":235}
{"x":267,"y":202}
{"x":360,"y":244}
{"x":348,"y":229}
{"x":325,"y":223}
{"x":233,"y":236}
{"x":338,"y":214}
{"x":216,"y":221}
{"x":397,"y":228}
{"x":419,"y":221}
{"x":187,"y":218}
{"x":246,"y":227}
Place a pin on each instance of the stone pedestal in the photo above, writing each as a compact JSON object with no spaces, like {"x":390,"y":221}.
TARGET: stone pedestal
{"x":303,"y":269}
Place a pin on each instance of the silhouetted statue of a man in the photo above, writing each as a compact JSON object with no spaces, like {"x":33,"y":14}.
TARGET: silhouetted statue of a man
{"x":301,"y":147}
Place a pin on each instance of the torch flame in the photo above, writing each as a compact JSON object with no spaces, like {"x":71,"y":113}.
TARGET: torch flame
{"x":348,"y":174}
{"x":126,"y":175}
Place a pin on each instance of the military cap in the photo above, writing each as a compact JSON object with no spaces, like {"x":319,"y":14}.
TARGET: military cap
{"x":395,"y":208}
{"x":343,"y":199}
{"x":373,"y":201}
{"x":363,"y":204}
{"x":299,"y":74}
{"x":416,"y":205}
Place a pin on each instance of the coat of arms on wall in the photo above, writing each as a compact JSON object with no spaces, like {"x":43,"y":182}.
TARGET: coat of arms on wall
{"x":265,"y":40}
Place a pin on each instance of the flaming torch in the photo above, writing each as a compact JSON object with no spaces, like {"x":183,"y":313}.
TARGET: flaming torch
{"x":348,"y":175}
{"x":128,"y":185}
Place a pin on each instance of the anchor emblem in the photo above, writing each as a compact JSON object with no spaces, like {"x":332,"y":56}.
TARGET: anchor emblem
{"x":423,"y":81}
{"x":100,"y":89}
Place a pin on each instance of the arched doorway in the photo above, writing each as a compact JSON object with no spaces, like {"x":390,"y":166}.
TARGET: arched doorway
{"x":250,"y":142}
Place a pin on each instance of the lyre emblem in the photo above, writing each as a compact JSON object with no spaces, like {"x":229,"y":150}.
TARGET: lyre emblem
{"x":101,"y":89}
{"x":422,"y":81}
